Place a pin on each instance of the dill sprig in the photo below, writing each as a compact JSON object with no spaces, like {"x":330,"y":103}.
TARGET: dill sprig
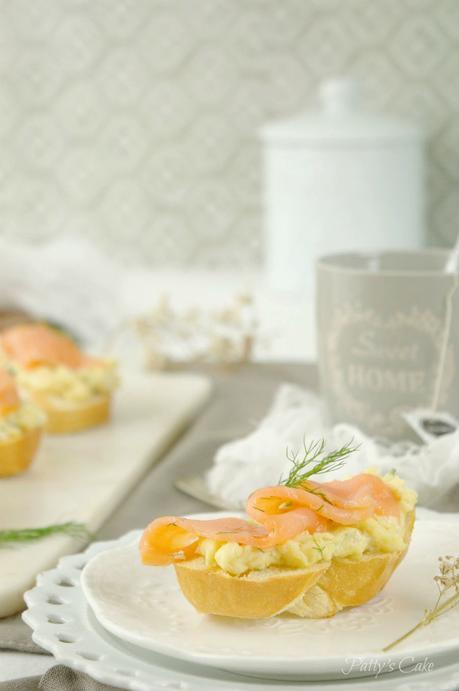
{"x":78,"y":530}
{"x":319,"y":549}
{"x":447,"y":582}
{"x":313,"y":462}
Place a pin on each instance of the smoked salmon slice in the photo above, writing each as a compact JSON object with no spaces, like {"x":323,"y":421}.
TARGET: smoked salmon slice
{"x":279,"y":513}
{"x":32,"y":345}
{"x":358,"y":492}
{"x":346,"y":502}
{"x":171,"y":538}
{"x":9,"y":398}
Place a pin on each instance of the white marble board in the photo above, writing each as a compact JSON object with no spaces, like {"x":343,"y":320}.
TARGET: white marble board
{"x":83,"y":477}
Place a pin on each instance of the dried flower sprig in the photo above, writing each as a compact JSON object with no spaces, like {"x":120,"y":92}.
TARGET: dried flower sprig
{"x":171,"y":337}
{"x":447,"y":582}
{"x":311,"y":462}
{"x":77,"y":530}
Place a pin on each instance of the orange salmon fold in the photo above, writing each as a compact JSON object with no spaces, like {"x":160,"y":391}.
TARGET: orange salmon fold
{"x":9,"y":397}
{"x":279,"y":513}
{"x":32,"y":345}
{"x":346,"y":502}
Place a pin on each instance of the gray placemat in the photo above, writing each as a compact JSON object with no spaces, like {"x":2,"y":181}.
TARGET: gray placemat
{"x":240,"y":400}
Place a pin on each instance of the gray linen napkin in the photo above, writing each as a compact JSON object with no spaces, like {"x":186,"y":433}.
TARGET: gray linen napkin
{"x":58,"y":678}
{"x":240,"y":400}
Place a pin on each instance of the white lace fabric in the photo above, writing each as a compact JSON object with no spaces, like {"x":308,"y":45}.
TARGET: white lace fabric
{"x":296,"y":418}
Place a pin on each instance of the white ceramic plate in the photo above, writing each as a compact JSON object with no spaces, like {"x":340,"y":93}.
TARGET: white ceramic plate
{"x":63,"y":624}
{"x":144,"y":606}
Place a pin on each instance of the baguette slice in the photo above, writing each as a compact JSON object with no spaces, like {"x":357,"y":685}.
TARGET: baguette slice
{"x":316,"y":592}
{"x":16,"y":455}
{"x":257,"y":595}
{"x":65,"y":417}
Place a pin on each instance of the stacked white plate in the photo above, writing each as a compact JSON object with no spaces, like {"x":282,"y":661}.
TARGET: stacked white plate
{"x":103,"y":613}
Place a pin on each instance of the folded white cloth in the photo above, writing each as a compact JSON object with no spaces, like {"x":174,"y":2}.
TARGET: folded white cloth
{"x":68,"y":281}
{"x":295,"y":419}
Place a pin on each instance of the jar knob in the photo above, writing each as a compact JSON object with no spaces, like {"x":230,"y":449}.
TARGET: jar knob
{"x":339,"y":95}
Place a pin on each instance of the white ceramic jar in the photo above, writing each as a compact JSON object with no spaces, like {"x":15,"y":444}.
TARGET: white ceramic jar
{"x":339,"y":179}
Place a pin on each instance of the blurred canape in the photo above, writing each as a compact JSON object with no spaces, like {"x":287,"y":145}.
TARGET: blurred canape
{"x":71,"y":387}
{"x":21,"y":426}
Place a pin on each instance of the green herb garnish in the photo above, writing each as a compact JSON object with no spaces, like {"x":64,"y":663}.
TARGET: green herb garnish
{"x":318,"y":548}
{"x":29,"y":534}
{"x":313,"y":462}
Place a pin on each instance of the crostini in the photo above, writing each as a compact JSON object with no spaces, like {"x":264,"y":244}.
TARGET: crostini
{"x":309,"y":548}
{"x":21,"y":426}
{"x":72,"y":388}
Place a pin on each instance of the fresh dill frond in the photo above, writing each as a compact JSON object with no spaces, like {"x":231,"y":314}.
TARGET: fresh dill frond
{"x":318,"y":548}
{"x":78,"y":530}
{"x":314,"y":462}
{"x":318,"y":493}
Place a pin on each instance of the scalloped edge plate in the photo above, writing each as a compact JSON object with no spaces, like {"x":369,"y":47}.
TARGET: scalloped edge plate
{"x":153,"y":614}
{"x":64,"y":625}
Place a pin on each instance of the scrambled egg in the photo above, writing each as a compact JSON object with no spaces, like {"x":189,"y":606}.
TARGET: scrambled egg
{"x":376,"y":534}
{"x":15,"y":423}
{"x":72,"y":385}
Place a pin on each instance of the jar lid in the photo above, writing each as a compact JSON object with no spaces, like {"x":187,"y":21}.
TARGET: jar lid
{"x":340,"y":119}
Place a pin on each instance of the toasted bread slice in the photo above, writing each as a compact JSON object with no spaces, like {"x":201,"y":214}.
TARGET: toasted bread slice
{"x":65,"y":417}
{"x":16,"y":455}
{"x":257,"y":595}
{"x":316,"y":592}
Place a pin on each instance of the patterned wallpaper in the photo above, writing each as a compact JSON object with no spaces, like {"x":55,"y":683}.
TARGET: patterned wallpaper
{"x":133,"y":122}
